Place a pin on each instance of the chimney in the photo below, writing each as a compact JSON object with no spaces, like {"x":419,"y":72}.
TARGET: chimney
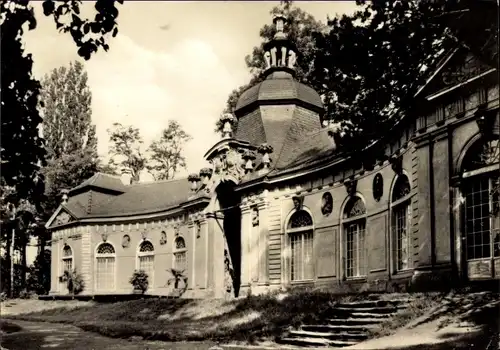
{"x":126,"y":176}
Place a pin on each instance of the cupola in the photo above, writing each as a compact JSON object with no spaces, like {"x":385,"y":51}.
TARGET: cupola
{"x":279,"y":111}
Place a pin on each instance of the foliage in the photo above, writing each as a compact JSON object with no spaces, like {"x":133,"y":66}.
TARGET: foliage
{"x":68,"y":131}
{"x":140,"y":281}
{"x":177,"y":277}
{"x":369,"y":65}
{"x":166,"y":153}
{"x":74,"y":281}
{"x":22,"y":150}
{"x":20,"y":91}
{"x":39,"y":274}
{"x":301,"y":28}
{"x":5,"y":277}
{"x":126,"y":143}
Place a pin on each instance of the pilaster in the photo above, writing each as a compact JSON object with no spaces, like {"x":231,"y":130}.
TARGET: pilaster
{"x":216,"y":257}
{"x":246,"y":226}
{"x":191,"y":255}
{"x":86,"y":267}
{"x":263,"y":242}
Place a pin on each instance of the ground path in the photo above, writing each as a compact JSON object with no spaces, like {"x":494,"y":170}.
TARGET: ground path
{"x":41,"y":335}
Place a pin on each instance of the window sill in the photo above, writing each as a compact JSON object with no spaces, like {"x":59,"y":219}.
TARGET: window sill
{"x":299,"y":282}
{"x":356,"y":279}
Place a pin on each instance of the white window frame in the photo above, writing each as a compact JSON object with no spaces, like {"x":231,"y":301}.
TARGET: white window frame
{"x":96,"y":267}
{"x":396,"y":207}
{"x":66,"y":258}
{"x":346,"y":223}
{"x":150,"y":254}
{"x":63,"y":261}
{"x":180,"y":252}
{"x":487,"y":172}
{"x":301,"y":232}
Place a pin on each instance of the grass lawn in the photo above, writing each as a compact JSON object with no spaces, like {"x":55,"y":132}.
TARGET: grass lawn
{"x":248,"y":320}
{"x":251,"y":320}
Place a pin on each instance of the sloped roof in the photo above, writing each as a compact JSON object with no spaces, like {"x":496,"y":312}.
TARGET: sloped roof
{"x":144,"y":198}
{"x":104,"y":181}
{"x":279,"y":85}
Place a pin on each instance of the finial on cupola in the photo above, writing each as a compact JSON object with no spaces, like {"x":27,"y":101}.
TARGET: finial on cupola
{"x":280,"y":53}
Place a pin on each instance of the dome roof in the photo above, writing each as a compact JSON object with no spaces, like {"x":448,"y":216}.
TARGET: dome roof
{"x":278,"y":86}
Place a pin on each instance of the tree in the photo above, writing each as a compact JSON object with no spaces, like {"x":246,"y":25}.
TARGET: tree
{"x":370,"y":64}
{"x":22,"y":150}
{"x":70,"y":136}
{"x":166,"y":153}
{"x":125,"y":149}
{"x":301,"y":28}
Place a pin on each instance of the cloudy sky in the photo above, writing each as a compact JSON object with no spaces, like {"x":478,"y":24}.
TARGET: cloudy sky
{"x":170,"y":60}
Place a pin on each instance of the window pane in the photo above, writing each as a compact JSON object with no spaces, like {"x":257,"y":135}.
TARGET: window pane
{"x":400,"y":230}
{"x":146,"y":263}
{"x":355,"y":249}
{"x":477,"y":218}
{"x":105,"y":273}
{"x":180,"y":261}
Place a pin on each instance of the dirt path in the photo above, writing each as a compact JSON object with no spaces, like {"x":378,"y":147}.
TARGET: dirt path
{"x":38,"y":335}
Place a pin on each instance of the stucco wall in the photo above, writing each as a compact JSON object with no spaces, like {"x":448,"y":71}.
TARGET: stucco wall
{"x":328,"y":229}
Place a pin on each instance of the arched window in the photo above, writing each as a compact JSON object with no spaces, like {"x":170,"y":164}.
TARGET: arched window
{"x":146,"y":256}
{"x":180,"y":254}
{"x":480,"y":190}
{"x":354,"y":222}
{"x":400,"y":206}
{"x":67,"y":259}
{"x":301,"y":232}
{"x":105,"y":267}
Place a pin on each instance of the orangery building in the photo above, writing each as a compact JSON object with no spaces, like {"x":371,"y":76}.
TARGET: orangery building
{"x":280,"y":207}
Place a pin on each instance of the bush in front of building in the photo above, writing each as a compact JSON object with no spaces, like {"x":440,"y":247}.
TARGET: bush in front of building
{"x":74,"y":281}
{"x":139,"y":281}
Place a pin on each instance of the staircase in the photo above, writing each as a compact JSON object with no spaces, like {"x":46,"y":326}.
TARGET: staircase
{"x":349,"y":324}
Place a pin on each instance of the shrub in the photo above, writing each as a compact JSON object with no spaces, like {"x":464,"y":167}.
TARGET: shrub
{"x":139,"y":281}
{"x":74,"y":281}
{"x":27,"y":294}
{"x":177,"y":277}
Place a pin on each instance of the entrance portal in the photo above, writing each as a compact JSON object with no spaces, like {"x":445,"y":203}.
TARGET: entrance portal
{"x":229,"y":203}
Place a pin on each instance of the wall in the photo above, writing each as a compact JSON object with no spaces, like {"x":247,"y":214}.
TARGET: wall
{"x":328,"y":269}
{"x":85,"y":239}
{"x":73,"y":238}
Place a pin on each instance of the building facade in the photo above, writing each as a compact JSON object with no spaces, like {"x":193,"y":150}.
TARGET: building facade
{"x":281,"y":207}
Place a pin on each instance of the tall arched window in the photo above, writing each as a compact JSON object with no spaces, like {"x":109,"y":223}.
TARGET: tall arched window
{"x":180,"y":254}
{"x":67,"y":259}
{"x":354,"y":222}
{"x":146,"y":256}
{"x":400,"y":205}
{"x":300,"y":231}
{"x":480,"y":176}
{"x":105,"y":267}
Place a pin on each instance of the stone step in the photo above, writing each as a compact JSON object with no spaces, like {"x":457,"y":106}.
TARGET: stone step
{"x":326,"y":332}
{"x":315,"y":342}
{"x":375,"y":309}
{"x":375,"y":303}
{"x":357,"y":320}
{"x":371,"y":315}
{"x":340,"y":328}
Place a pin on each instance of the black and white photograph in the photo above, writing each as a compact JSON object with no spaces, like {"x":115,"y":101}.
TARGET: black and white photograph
{"x":255,"y":175}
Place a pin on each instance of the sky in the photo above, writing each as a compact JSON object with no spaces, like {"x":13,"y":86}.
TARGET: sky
{"x":170,"y":60}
